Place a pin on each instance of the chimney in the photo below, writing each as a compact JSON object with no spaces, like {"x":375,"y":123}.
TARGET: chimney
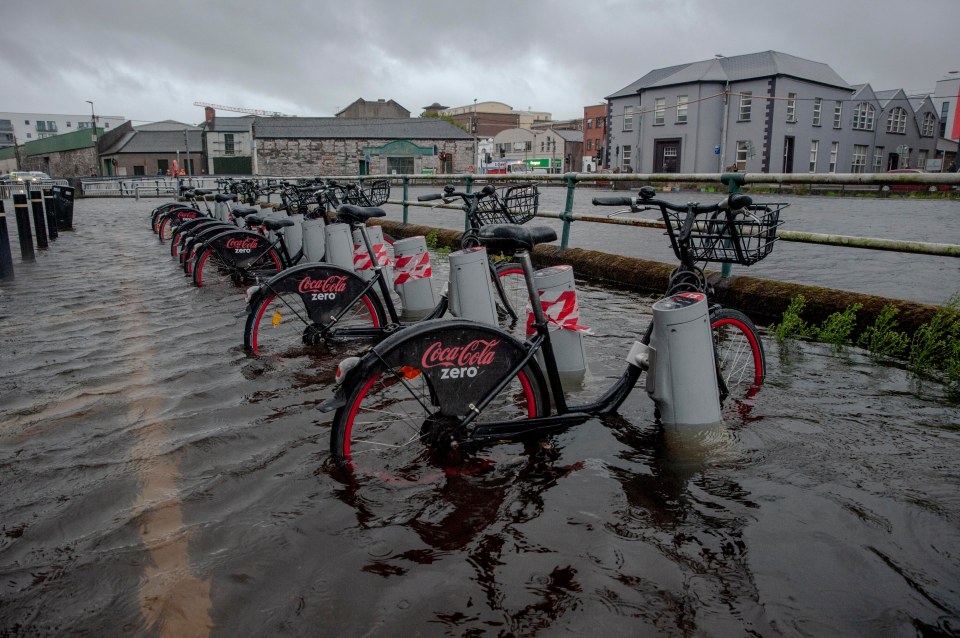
{"x":210,"y":116}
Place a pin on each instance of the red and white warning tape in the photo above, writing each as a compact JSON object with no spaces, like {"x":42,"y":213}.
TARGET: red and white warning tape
{"x":362,"y":261}
{"x":561,"y":309}
{"x":413,"y":266}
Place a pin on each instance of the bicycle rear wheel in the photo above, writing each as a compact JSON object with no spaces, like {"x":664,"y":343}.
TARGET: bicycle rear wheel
{"x":741,"y":364}
{"x":392,"y":427}
{"x":213,"y":270}
{"x":280,"y":324}
{"x":515,"y":294}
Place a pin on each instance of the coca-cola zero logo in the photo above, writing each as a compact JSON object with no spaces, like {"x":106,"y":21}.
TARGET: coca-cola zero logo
{"x":320,"y":289}
{"x":459,"y":361}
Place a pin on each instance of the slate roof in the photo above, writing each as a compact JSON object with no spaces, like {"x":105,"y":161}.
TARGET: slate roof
{"x":161,"y":142}
{"x":736,"y":68}
{"x":231,"y":124}
{"x":166,"y":125}
{"x":340,"y":128}
{"x":569,"y":136}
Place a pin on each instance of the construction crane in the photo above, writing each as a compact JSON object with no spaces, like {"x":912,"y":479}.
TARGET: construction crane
{"x":238,"y":109}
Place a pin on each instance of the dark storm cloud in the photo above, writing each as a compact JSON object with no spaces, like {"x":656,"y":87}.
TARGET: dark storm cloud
{"x":152,"y":61}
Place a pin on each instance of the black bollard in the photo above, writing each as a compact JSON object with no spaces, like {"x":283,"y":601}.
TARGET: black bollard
{"x":48,"y":207}
{"x":23,"y":227}
{"x":6,"y":257}
{"x":39,"y":223}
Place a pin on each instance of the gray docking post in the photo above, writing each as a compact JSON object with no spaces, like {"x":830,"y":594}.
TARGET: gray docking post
{"x":23,"y":227}
{"x":6,"y":257}
{"x":39,"y":223}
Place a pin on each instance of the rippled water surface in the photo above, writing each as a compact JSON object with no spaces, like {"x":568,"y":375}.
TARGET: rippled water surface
{"x":157,"y":480}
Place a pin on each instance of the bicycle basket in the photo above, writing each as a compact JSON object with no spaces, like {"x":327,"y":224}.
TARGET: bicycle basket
{"x":743,"y":236}
{"x":509,"y":205}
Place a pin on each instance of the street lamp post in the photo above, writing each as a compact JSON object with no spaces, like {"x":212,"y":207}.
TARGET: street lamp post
{"x":96,"y":141}
{"x":476,"y":151}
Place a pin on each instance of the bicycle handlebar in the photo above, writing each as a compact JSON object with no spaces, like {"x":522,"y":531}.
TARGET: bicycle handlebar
{"x":733,"y":201}
{"x":449,"y":195}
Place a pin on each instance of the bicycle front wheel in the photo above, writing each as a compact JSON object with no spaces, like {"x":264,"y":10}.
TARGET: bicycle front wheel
{"x":392,"y":429}
{"x":741,"y":364}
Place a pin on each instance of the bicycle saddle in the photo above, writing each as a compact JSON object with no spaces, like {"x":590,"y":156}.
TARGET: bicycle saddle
{"x":359,"y":214}
{"x":509,"y":238}
{"x":219,"y":197}
{"x":242,"y":211}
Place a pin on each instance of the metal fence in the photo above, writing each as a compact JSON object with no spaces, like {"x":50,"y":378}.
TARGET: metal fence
{"x":8,"y":190}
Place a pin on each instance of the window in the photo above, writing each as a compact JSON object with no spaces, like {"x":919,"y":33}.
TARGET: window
{"x":163,"y":165}
{"x":41,"y":126}
{"x":878,"y":159}
{"x":29,"y":135}
{"x":791,"y":107}
{"x":863,"y":117}
{"x":922,"y":158}
{"x":944,"y":111}
{"x":27,"y":122}
{"x":228,"y":147}
{"x":589,"y":123}
{"x":628,"y":118}
{"x":589,"y":145}
{"x":658,"y":111}
{"x":400,"y":165}
{"x":83,"y":125}
{"x":897,"y":121}
{"x":859,"y":163}
{"x":541,"y":146}
{"x":837,"y":115}
{"x":814,"y":147}
{"x":107,"y":125}
{"x":834,"y":152}
{"x":746,"y":100}
{"x":929,"y":123}
{"x":69,"y":124}
{"x":817,"y":109}
{"x":626,"y":159}
{"x":681,"y":109}
{"x":743,"y":148}
{"x":139,"y":170}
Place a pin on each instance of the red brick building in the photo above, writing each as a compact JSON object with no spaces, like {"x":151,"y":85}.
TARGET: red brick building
{"x":594,"y":137}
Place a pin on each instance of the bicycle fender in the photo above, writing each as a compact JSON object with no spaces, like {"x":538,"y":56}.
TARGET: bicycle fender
{"x":325,"y":289}
{"x":462,"y":360}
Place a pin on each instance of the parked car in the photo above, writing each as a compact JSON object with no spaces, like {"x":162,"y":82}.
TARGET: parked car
{"x":931,"y":188}
{"x":23,"y":176}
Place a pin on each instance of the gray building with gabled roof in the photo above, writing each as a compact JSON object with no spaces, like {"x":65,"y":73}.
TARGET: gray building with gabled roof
{"x":762,"y":112}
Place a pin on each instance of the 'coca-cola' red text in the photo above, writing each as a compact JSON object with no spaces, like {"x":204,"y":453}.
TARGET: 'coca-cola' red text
{"x":333,"y":283}
{"x":480,"y":352}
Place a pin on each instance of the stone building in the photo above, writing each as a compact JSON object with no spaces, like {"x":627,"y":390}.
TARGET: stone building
{"x":316,"y":146}
{"x":156,"y":149}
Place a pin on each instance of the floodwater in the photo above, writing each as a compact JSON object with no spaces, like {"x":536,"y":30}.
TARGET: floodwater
{"x":155,"y":480}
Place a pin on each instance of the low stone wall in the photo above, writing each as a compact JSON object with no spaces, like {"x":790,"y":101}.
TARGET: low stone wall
{"x":762,"y":300}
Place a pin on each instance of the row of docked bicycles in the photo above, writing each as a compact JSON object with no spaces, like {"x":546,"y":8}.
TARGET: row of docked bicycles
{"x":430,"y":389}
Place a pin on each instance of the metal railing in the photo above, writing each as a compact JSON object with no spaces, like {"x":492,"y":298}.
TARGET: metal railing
{"x":8,"y":190}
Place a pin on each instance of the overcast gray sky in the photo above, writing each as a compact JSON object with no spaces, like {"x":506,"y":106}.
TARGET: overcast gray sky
{"x":152,"y":61}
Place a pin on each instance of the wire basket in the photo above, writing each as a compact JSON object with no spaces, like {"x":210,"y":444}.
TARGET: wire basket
{"x":743,"y":236}
{"x":375,"y":193}
{"x":509,"y":205}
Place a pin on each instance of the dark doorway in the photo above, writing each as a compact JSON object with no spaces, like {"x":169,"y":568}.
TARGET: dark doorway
{"x":788,"y":155}
{"x":666,"y":156}
{"x":893,"y":161}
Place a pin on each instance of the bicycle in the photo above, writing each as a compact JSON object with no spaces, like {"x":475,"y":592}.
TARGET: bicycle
{"x":421,"y":396}
{"x":320,"y":302}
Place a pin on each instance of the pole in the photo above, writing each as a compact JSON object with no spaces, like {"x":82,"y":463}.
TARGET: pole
{"x":186,"y":145}
{"x":51,"y":213}
{"x":39,"y":223}
{"x":96,"y":140}
{"x":476,"y":150}
{"x":23,"y":227}
{"x":6,"y":257}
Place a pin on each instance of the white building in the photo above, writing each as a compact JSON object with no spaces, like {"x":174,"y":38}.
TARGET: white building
{"x":28,"y":127}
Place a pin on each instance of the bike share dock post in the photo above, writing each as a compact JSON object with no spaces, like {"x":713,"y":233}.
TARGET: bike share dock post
{"x":6,"y":256}
{"x":414,"y":277}
{"x":48,"y":206}
{"x":339,"y":245}
{"x":558,"y":298}
{"x":567,"y":215}
{"x":23,"y":227}
{"x":38,"y":221}
{"x":683,"y":382}
{"x":314,"y":241}
{"x":406,"y":196}
{"x":471,"y":293}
